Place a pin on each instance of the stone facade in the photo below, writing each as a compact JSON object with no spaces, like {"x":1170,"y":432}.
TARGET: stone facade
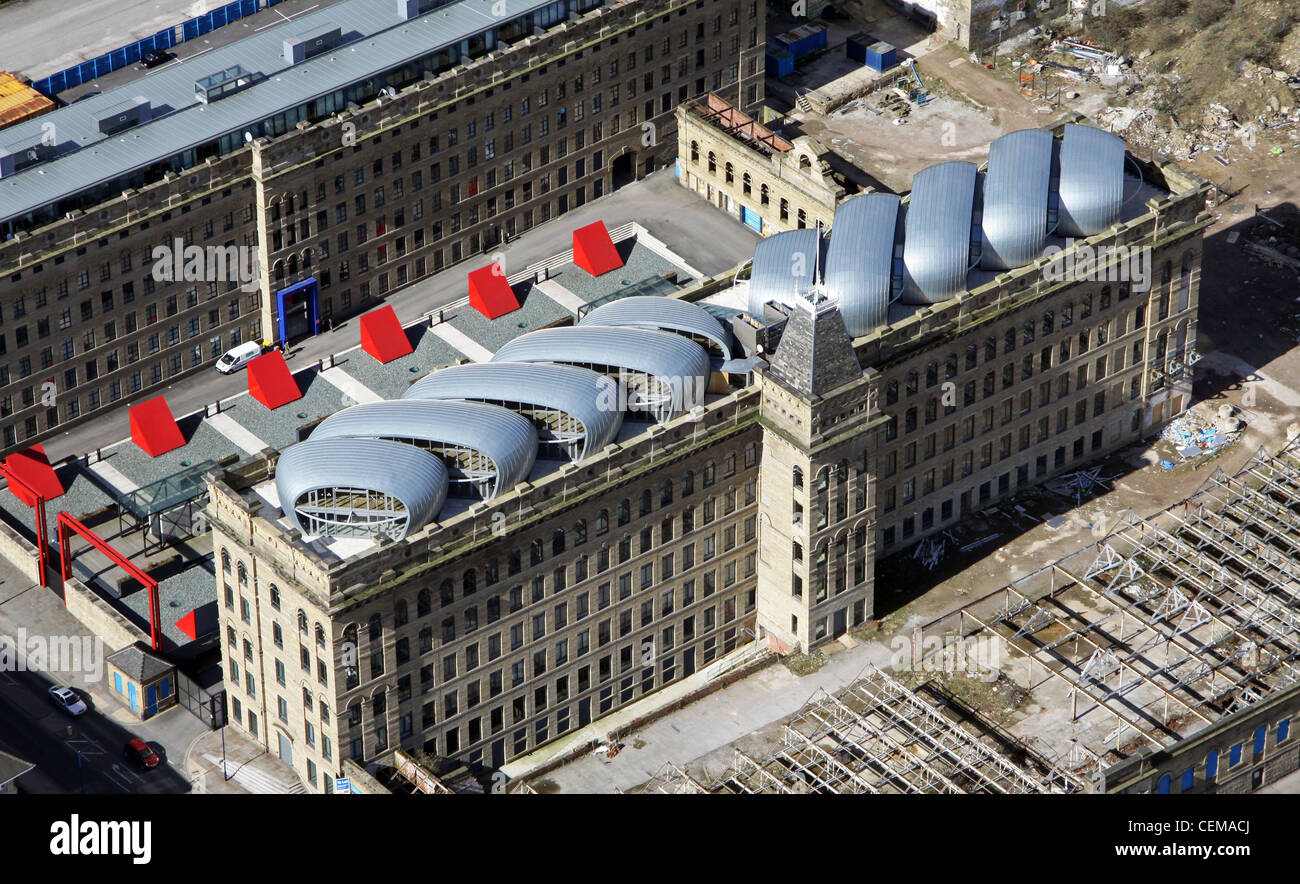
{"x":751,"y":173}
{"x":759,"y":516}
{"x":385,"y":192}
{"x":495,"y":631}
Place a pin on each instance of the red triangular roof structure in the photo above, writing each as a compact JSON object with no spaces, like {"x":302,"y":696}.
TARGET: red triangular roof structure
{"x":594,"y":251}
{"x":187,"y":626}
{"x":154,"y":429}
{"x":270,"y":382}
{"x":32,"y":468}
{"x":490,"y":292}
{"x":382,"y":336}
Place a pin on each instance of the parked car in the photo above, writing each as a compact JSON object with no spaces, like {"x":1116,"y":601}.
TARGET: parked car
{"x":237,"y":357}
{"x":138,"y":752}
{"x":67,"y":700}
{"x":155,"y":57}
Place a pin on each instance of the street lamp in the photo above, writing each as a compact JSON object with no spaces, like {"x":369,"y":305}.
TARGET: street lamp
{"x":218,"y":703}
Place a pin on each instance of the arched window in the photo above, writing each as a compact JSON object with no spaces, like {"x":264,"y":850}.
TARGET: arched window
{"x":447,"y":592}
{"x":275,"y":597}
{"x":785,"y":209}
{"x":602,"y":522}
{"x":354,"y":713}
{"x":580,"y":532}
{"x":557,"y":541}
{"x":469,"y":583}
{"x":713,"y":163}
{"x":399,"y":613}
{"x":803,"y":218}
{"x":688,"y":483}
{"x":647,"y":501}
{"x":243,"y":574}
{"x":624,"y":511}
{"x":376,"y":627}
{"x":666,"y":493}
{"x":225,"y":560}
{"x":695,"y":151}
{"x":745,"y":183}
{"x":823,"y":479}
{"x":763,"y":194}
{"x":320,"y":636}
{"x":423,"y":603}
{"x":805,"y":164}
{"x":536,"y":551}
{"x":797,"y":477}
{"x":302,"y":621}
{"x":730,"y":173}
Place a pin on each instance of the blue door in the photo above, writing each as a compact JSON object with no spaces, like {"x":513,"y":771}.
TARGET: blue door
{"x":132,"y":700}
{"x":151,"y":700}
{"x":750,"y":217}
{"x":298,"y":309}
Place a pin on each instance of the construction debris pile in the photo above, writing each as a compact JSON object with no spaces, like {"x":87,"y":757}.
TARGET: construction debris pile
{"x":1081,"y":484}
{"x":1193,"y":436}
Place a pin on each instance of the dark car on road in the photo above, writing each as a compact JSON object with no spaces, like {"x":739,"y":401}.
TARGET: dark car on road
{"x":155,"y":57}
{"x":138,"y":752}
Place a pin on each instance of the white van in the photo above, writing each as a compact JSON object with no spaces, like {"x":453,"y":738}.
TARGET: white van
{"x":238,"y":357}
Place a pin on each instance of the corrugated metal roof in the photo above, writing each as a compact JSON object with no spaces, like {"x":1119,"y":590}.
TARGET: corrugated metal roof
{"x":683,"y":364}
{"x":667,"y":314}
{"x":1092,"y":181}
{"x":499,"y":434}
{"x":576,"y":391}
{"x":19,"y":102}
{"x":376,"y":40}
{"x":416,"y":478}
{"x":1014,"y":220}
{"x":859,"y":261}
{"x":784,"y":268}
{"x":936,"y":251}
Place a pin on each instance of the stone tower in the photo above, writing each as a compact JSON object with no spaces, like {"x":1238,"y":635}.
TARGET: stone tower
{"x":816,"y":532}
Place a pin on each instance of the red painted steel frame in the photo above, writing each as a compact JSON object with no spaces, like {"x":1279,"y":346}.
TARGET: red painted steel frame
{"x":65,"y":562}
{"x":39,"y":513}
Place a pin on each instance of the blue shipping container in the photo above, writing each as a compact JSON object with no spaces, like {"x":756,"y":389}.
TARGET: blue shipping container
{"x":779,"y":63}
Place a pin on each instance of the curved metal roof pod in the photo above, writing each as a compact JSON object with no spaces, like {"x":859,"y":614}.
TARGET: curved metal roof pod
{"x":348,"y":487}
{"x":1092,"y":180}
{"x":936,"y":251}
{"x":1016,"y":187}
{"x":681,"y":364}
{"x":574,"y":391}
{"x":860,"y":259}
{"x":784,"y":268}
{"x":498,"y":434}
{"x":665,"y":314}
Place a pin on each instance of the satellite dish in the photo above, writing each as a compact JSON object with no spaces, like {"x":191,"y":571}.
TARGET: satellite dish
{"x":248,"y":137}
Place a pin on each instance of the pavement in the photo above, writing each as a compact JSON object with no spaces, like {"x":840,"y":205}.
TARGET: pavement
{"x":40,"y":37}
{"x":32,"y":728}
{"x":705,"y":237}
{"x":711,"y":724}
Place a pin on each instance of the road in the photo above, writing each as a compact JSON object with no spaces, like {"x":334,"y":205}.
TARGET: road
{"x":41,"y":37}
{"x":35,"y":730}
{"x":705,"y":237}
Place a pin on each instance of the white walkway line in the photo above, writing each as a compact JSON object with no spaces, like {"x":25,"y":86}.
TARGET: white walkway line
{"x":350,"y":386}
{"x":462,"y":342}
{"x":235,"y":432}
{"x":560,"y":295}
{"x":113,"y":476}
